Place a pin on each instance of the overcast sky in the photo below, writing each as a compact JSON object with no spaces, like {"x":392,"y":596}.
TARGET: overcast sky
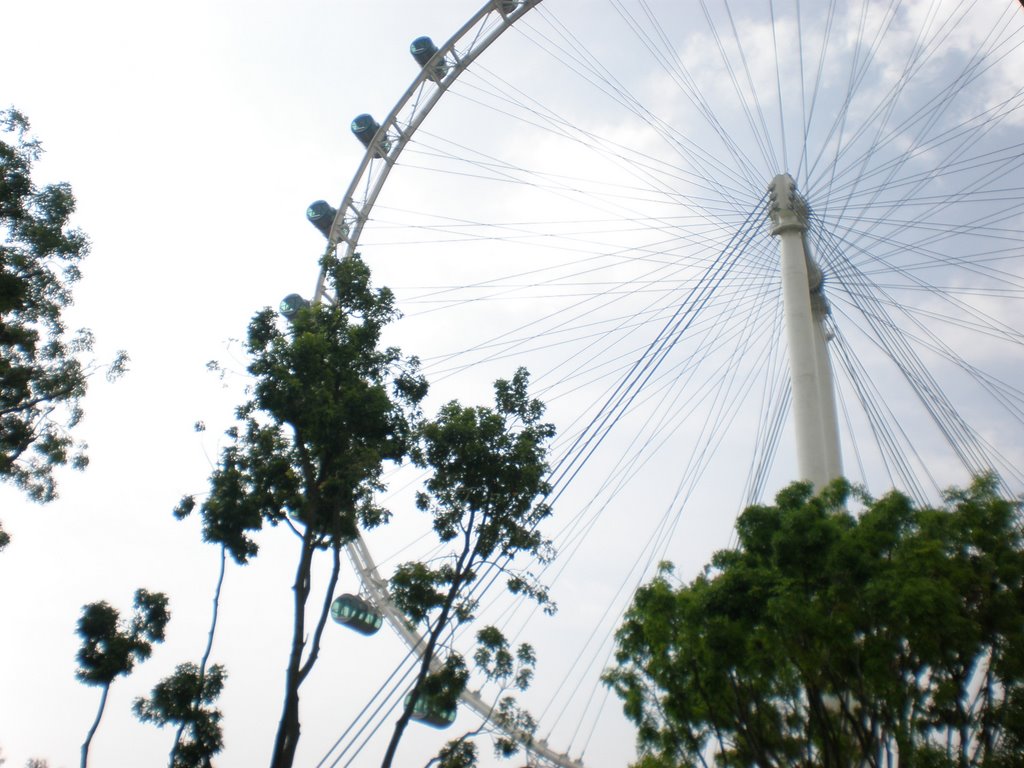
{"x":574,"y":202}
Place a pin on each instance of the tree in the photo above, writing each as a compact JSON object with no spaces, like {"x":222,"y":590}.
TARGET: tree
{"x":328,"y":407}
{"x":485,"y":495}
{"x":42,"y":379}
{"x":185,"y":699}
{"x":112,"y":647}
{"x":826,"y":639}
{"x":495,"y":659}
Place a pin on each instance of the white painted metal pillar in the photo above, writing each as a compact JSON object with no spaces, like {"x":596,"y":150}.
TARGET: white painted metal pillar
{"x":804,"y":311}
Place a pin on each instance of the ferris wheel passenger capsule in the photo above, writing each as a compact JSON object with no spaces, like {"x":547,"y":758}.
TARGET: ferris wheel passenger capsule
{"x":431,"y":713}
{"x":321,"y":214}
{"x":355,"y":613}
{"x":364,"y":127}
{"x":290,"y":306}
{"x":423,"y":50}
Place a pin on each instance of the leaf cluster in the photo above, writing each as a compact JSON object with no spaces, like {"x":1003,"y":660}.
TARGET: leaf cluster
{"x":185,"y":699}
{"x":485,"y":495}
{"x":42,"y":381}
{"x":110,"y":646}
{"x":510,"y":670}
{"x":826,"y":639}
{"x":327,"y":408}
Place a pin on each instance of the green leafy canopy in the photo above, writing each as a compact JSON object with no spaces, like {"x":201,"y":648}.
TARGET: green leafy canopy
{"x":827,"y":639}
{"x":42,"y":376}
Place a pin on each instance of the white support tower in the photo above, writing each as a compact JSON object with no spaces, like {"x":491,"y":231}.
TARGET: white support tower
{"x":804,"y":310}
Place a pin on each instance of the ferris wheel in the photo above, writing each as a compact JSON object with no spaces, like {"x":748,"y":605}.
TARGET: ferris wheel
{"x":592,"y":199}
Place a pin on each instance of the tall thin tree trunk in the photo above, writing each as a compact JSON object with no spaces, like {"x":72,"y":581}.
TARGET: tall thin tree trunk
{"x":206,"y":657}
{"x":462,"y":565}
{"x":95,"y":725}
{"x":288,"y":729}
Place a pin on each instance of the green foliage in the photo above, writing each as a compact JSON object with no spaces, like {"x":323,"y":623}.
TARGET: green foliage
{"x":42,"y":380}
{"x":458,"y":753}
{"x":185,"y":699}
{"x":495,"y":660}
{"x":488,"y":472}
{"x":826,"y":639}
{"x":112,"y":647}
{"x":485,"y":495}
{"x":327,"y":409}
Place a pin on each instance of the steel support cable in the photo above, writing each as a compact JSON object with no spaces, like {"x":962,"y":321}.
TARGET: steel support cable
{"x":891,"y":439}
{"x":818,"y":83}
{"x":770,"y":419}
{"x":900,"y":352}
{"x":581,"y":309}
{"x":924,"y":118}
{"x":938,"y":236}
{"x":885,"y":109}
{"x":875,"y":407}
{"x":771,"y":154}
{"x":971,"y":71}
{"x":769,"y":447}
{"x":894,"y":166}
{"x":363,"y":712}
{"x":948,"y":165}
{"x":669,"y":521}
{"x":805,"y":125}
{"x":965,"y":134}
{"x":574,"y":533}
{"x":960,"y":314}
{"x":853,"y":443}
{"x":600,"y":261}
{"x":560,"y":537}
{"x":989,"y":328}
{"x":580,"y":190}
{"x":960,"y":306}
{"x":606,"y":261}
{"x":778,"y":87}
{"x":596,"y":364}
{"x":961,"y":438}
{"x":1010,"y":398}
{"x":638,"y":164}
{"x":657,"y":173}
{"x":836,"y":134}
{"x":936,"y":260}
{"x":634,"y":458}
{"x":561,"y":475}
{"x":625,"y":397}
{"x":684,"y":234}
{"x":742,"y":100}
{"x":858,"y":71}
{"x":569,"y":127}
{"x":709,"y":166}
{"x":879,"y":416}
{"x":396,"y":699}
